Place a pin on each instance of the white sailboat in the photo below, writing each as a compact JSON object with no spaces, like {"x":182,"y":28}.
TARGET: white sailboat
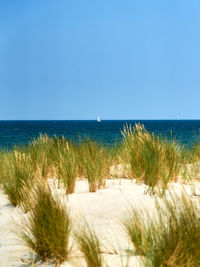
{"x":98,"y":119}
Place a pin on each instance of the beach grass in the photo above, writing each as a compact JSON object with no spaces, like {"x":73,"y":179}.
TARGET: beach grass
{"x":141,"y":155}
{"x":47,"y":230}
{"x":44,"y":152}
{"x":95,"y":164}
{"x":89,"y":245}
{"x":168,"y":238}
{"x":67,"y":169}
{"x":171,"y":237}
{"x":17,"y":178}
{"x":152,"y":160}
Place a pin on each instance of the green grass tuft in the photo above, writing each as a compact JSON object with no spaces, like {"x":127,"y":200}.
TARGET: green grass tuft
{"x":170,"y":238}
{"x":95,"y":164}
{"x":89,"y":245}
{"x":17,"y":178}
{"x":67,"y":169}
{"x":151,"y":159}
{"x":47,"y":230}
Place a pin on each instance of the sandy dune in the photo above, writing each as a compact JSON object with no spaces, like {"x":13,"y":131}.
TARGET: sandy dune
{"x":102,"y":209}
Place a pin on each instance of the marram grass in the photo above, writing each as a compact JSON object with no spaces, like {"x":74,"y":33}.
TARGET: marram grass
{"x":67,"y":169}
{"x":17,"y":179}
{"x":47,"y":230}
{"x":89,"y":245}
{"x":95,"y":164}
{"x":171,"y":237}
{"x":152,"y":160}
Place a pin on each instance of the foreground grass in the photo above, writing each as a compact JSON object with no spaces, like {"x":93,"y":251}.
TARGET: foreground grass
{"x":89,"y":245}
{"x":47,"y":230}
{"x":171,"y":237}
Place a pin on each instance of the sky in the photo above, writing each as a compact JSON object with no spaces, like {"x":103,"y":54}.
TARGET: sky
{"x":79,"y":59}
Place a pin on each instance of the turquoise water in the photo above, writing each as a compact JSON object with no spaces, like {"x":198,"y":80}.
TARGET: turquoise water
{"x":107,"y":132}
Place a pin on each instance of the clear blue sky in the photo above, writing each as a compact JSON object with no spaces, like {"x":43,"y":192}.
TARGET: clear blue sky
{"x":77,"y":59}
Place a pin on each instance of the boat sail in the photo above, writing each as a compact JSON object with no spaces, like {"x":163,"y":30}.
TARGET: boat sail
{"x":98,"y":119}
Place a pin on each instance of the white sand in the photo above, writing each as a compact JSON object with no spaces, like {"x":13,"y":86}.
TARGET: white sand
{"x":102,"y":209}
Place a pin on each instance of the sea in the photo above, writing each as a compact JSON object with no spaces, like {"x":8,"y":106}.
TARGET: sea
{"x":106,"y":132}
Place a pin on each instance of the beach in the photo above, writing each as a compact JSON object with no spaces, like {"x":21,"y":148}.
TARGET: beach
{"x":68,"y":204}
{"x":103,"y":209}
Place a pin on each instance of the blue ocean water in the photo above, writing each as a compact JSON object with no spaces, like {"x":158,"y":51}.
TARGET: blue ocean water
{"x":106,"y":132}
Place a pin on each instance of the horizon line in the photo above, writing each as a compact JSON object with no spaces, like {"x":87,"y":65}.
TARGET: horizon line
{"x":182,"y":119}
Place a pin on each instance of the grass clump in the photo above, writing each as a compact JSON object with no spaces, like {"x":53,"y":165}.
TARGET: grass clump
{"x":151,"y":160}
{"x":47,"y":230}
{"x":18,"y":178}
{"x":192,"y":162}
{"x":95,"y":164}
{"x":89,"y":245}
{"x":195,"y":152}
{"x":171,"y":238}
{"x":67,"y":169}
{"x":44,"y":154}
